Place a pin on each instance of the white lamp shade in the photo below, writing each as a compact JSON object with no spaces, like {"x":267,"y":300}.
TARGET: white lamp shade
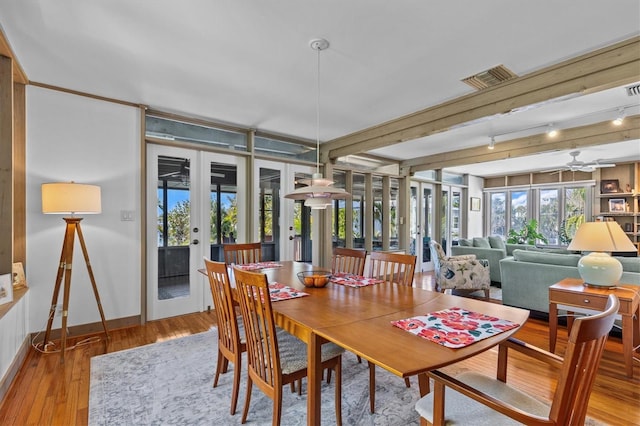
{"x":599,"y":268}
{"x":70,"y":197}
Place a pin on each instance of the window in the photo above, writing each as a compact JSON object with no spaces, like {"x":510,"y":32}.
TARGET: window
{"x":358,"y":207}
{"x":163,"y":128}
{"x":393,"y":213}
{"x":559,"y":210}
{"x":378,"y":213}
{"x":338,"y":224}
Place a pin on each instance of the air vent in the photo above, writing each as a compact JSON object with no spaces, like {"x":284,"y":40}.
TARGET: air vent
{"x":633,"y":90}
{"x":490,"y":77}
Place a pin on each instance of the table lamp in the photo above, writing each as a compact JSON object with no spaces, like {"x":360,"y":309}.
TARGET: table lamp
{"x":598,"y":268}
{"x":70,"y":198}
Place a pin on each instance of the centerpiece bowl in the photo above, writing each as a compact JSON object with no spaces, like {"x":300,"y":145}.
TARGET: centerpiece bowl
{"x":314,"y":278}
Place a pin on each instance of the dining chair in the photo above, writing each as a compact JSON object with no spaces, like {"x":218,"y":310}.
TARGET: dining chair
{"x":397,"y":268}
{"x":275,"y":357}
{"x":481,"y":400}
{"x":461,"y":273}
{"x":231,"y":335}
{"x":348,"y":261}
{"x":242,"y":253}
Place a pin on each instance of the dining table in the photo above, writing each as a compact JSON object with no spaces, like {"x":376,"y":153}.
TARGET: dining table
{"x":359,"y":319}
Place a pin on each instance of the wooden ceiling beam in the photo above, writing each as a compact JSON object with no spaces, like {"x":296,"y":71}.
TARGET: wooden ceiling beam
{"x":19,"y":76}
{"x":589,"y":135}
{"x":602,"y":69}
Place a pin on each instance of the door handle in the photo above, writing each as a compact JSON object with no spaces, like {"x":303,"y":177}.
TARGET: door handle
{"x":290,"y":237}
{"x":196,"y":242}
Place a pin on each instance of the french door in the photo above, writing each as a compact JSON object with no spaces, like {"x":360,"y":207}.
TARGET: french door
{"x":421,"y":224}
{"x":451,"y":217}
{"x":285,"y":227}
{"x":195,"y":201}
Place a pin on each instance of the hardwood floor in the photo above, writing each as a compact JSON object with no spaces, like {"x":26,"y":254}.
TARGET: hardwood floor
{"x":46,"y":392}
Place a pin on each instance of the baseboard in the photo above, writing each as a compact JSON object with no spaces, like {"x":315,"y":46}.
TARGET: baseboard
{"x":92,"y":328}
{"x":14,"y":368}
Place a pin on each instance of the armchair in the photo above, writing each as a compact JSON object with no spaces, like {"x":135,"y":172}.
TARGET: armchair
{"x":460,"y":272}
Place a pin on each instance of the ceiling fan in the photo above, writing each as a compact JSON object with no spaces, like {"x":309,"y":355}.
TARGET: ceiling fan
{"x":576,"y":165}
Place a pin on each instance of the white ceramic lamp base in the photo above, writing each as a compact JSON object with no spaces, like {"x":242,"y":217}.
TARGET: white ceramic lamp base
{"x":600,"y":269}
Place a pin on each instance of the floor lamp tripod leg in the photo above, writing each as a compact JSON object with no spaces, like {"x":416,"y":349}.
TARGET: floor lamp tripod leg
{"x":69,"y":243}
{"x":93,"y":280}
{"x":56,"y":291}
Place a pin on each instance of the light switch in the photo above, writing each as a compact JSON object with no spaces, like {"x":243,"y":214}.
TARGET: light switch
{"x":127,"y":215}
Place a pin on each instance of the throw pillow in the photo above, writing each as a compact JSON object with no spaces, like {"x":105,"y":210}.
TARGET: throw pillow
{"x":546,"y":258}
{"x":481,"y":242}
{"x":465,"y":243}
{"x":497,"y":242}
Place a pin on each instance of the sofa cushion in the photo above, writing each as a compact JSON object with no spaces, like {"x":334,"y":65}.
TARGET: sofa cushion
{"x":546,"y":258}
{"x":465,"y":242}
{"x":630,"y":264}
{"x":481,"y":242}
{"x":496,"y":241}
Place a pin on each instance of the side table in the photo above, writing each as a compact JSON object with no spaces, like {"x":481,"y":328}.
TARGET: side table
{"x":571,"y":292}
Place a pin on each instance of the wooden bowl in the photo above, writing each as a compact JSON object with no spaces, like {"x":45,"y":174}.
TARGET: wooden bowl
{"x":314,"y":278}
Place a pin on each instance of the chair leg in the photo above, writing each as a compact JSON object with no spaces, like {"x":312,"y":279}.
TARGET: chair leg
{"x":277,"y":407}
{"x":407,"y":382}
{"x":372,"y":387}
{"x":486,"y":294}
{"x":338,"y":395}
{"x":359,"y":359}
{"x":328,"y":375}
{"x":236,"y":384}
{"x":219,"y":366}
{"x":247,"y":400}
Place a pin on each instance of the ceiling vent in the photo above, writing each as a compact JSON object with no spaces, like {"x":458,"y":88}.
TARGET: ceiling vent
{"x":490,"y":77}
{"x":633,"y":90}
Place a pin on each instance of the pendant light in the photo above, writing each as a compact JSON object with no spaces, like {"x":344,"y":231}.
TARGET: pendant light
{"x":319,"y":193}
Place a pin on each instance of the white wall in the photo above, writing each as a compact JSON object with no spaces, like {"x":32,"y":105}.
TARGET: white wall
{"x":75,"y":138}
{"x":475,"y":225}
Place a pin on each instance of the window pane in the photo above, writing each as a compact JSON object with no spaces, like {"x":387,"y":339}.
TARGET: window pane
{"x":162,"y":128}
{"x":378,"y":214}
{"x":285,"y":149}
{"x":393,"y":213}
{"x":518,"y":209}
{"x":549,"y":219}
{"x":574,"y":207}
{"x":338,"y":223}
{"x":357,"y":204}
{"x":498,"y":221}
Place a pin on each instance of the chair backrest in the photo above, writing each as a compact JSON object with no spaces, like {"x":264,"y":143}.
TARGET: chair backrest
{"x":581,"y":361}
{"x":392,"y":267}
{"x":437,"y":253}
{"x":263,"y":355}
{"x":242,"y":253}
{"x":348,"y":261}
{"x":228,"y":331}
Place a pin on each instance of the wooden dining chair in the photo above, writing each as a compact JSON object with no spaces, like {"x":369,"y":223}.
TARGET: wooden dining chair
{"x":231,"y":336}
{"x":242,"y":253}
{"x":397,"y":268}
{"x":348,"y":261}
{"x":275,"y":357}
{"x":481,"y":400}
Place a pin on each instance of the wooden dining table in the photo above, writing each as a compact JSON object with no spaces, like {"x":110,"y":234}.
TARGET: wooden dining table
{"x":359,"y":320}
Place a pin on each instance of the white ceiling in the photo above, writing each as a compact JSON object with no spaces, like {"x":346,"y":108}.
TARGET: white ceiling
{"x":249,"y":63}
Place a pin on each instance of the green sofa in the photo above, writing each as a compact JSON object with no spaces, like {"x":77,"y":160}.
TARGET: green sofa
{"x":527,"y":276}
{"x":492,"y":249}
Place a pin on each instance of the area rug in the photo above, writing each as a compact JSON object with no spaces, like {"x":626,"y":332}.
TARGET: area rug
{"x":171,"y":383}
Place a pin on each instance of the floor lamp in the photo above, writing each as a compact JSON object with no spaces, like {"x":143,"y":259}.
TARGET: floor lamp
{"x":70,"y":198}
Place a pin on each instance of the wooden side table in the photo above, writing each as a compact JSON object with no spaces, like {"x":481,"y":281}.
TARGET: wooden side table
{"x":571,"y":292}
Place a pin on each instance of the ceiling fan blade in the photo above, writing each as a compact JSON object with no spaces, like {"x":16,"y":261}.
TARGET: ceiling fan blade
{"x":168,"y":175}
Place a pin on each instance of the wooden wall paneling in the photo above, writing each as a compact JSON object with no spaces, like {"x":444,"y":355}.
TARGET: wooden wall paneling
{"x":19,"y":174}
{"x":6,"y":165}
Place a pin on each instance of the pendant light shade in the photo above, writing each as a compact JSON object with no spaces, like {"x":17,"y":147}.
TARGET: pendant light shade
{"x":319,"y":191}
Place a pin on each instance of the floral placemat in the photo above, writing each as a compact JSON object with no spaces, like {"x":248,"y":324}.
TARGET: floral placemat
{"x":279,"y":292}
{"x":351,"y":280}
{"x":258,"y":265}
{"x":454,"y":327}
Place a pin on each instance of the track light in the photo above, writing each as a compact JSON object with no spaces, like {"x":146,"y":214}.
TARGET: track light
{"x":619,"y":118}
{"x":492,"y":144}
{"x":552,"y":131}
